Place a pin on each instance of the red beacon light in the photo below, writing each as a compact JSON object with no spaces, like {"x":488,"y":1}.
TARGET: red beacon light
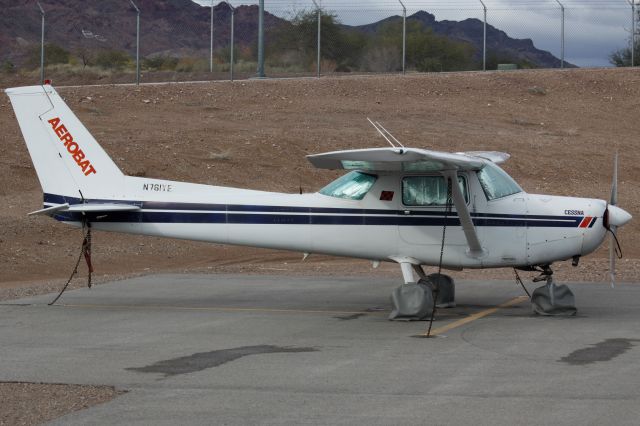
{"x":47,"y":82}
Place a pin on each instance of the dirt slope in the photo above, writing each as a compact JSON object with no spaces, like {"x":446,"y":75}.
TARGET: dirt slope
{"x":561,"y":127}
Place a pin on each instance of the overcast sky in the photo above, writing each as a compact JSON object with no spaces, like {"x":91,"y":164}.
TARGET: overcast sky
{"x":593,"y":28}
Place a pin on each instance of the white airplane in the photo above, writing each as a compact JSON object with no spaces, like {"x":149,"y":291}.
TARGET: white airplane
{"x":391,"y":206}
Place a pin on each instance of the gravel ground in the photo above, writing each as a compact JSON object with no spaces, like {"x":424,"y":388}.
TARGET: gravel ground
{"x":561,"y":127}
{"x":37,"y":403}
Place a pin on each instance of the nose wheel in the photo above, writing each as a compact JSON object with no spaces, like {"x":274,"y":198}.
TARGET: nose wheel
{"x":552,"y":299}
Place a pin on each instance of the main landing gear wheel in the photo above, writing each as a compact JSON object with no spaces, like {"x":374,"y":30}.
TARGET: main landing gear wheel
{"x":552,"y":299}
{"x":444,"y":287}
{"x":414,"y":301}
{"x":411,"y":302}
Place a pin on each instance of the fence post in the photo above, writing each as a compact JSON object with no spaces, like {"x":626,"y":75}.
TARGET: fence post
{"x":484,"y":38}
{"x":319,"y":11}
{"x":211,"y":42}
{"x":633,"y":32}
{"x":41,"y":45}
{"x":404,"y":36}
{"x":561,"y":35}
{"x":232,"y":41}
{"x":137,"y":42}
{"x":261,"y":40}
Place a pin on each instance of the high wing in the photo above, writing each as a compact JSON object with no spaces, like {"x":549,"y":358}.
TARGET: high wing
{"x":417,"y":160}
{"x":405,"y":159}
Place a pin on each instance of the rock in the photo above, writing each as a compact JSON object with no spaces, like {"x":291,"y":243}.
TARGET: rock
{"x":536,"y":90}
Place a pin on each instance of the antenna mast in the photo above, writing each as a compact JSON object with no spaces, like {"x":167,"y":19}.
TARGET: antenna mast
{"x":384,"y":133}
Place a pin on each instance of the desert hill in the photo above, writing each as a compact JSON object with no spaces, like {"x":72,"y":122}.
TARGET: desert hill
{"x":471,"y":30}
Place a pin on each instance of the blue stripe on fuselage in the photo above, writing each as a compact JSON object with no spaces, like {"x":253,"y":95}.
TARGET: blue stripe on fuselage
{"x":294,"y":215}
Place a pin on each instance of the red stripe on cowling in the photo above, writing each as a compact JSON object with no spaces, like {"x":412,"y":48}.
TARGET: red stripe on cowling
{"x":585,"y":222}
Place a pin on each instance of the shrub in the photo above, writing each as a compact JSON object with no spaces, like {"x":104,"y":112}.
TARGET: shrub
{"x":8,"y":67}
{"x":426,"y":51}
{"x":429,"y":65}
{"x":189,"y":64}
{"x":112,"y":59}
{"x":384,"y":58}
{"x":160,"y":63}
{"x":53,"y":54}
{"x":298,"y":39}
{"x":622,"y":57}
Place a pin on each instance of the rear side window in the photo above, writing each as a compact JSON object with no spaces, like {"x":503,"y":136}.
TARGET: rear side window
{"x":353,"y":186}
{"x":428,"y":190}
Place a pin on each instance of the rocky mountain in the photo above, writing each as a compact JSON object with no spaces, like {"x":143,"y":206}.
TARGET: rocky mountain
{"x":471,"y":31}
{"x":178,"y":26}
{"x":182,"y":27}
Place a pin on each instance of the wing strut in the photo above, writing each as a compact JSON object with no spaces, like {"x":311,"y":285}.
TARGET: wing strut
{"x":475,"y":249}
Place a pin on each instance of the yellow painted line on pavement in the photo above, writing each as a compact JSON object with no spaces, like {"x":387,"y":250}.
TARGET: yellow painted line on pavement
{"x":475,"y":316}
{"x":215,"y":308}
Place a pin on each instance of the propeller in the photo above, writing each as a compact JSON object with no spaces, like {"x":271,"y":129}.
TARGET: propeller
{"x":613,"y":200}
{"x":614,"y":217}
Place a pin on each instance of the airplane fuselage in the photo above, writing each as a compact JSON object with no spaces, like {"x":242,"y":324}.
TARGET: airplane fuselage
{"x":516,"y":230}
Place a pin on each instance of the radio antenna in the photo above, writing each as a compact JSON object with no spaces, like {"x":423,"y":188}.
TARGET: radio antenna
{"x":389,"y":133}
{"x":382,"y":133}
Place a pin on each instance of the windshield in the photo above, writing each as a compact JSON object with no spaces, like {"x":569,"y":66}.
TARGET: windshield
{"x":353,"y":186}
{"x":496,"y":183}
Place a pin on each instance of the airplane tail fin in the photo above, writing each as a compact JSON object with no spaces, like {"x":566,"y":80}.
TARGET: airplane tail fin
{"x":69,"y":162}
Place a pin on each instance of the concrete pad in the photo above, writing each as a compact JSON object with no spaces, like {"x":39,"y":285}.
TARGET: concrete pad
{"x":230,"y":349}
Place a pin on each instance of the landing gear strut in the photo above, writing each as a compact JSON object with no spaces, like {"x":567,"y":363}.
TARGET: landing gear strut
{"x":552,"y":299}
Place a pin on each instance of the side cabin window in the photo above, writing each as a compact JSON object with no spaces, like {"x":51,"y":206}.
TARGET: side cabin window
{"x":496,"y":183}
{"x":428,"y":191}
{"x":352,"y":186}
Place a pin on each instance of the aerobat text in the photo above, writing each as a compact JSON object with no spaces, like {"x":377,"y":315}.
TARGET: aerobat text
{"x":72,"y":146}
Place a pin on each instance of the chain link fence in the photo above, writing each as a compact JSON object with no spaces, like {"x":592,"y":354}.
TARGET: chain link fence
{"x":213,"y":41}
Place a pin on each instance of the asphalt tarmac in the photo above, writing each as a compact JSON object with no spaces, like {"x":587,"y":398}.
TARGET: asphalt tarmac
{"x":238,"y":350}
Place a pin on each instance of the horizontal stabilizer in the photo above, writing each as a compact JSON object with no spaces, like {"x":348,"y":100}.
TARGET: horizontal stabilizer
{"x":86,"y":208}
{"x":49,"y":210}
{"x":99,"y":208}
